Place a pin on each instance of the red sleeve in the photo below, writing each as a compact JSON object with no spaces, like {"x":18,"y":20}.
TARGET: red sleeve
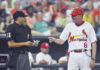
{"x":25,"y":12}
{"x":63,"y":6}
{"x":95,"y":13}
{"x":12,"y":12}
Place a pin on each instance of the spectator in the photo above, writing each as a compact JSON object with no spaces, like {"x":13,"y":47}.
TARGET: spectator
{"x":43,"y":57}
{"x":8,"y":5}
{"x":37,"y":1}
{"x":5,"y":24}
{"x":61,"y":4}
{"x":69,"y":3}
{"x":45,"y":4}
{"x":50,"y":6}
{"x":96,"y":12}
{"x":88,"y":16}
{"x":41,"y":26}
{"x":47,"y":15}
{"x":64,"y":60}
{"x":55,"y":12}
{"x":33,"y":4}
{"x":24,"y":3}
{"x":31,"y":15}
{"x":78,"y":3}
{"x":49,"y":2}
{"x":39,"y":7}
{"x":94,"y":2}
{"x":71,"y":7}
{"x":17,"y":7}
{"x":64,"y":1}
{"x":96,"y":15}
{"x":90,"y":6}
{"x":62,"y":20}
{"x":2,"y":13}
{"x":53,"y":1}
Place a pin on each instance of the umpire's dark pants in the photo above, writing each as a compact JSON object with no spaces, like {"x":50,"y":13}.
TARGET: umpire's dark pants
{"x":19,"y":61}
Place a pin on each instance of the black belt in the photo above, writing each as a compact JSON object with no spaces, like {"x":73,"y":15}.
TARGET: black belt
{"x":20,"y":52}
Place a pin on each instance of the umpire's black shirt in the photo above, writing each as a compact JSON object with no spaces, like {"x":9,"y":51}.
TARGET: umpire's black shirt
{"x":19,"y":33}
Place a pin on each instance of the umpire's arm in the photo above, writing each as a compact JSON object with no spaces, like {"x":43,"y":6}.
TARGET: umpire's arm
{"x":10,"y":37}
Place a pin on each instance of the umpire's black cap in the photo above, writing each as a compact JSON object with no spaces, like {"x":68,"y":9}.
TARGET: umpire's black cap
{"x":18,"y":14}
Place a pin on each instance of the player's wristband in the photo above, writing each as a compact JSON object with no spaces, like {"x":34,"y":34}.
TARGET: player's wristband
{"x":93,"y":58}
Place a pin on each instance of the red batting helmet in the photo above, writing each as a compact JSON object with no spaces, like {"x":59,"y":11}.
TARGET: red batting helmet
{"x":77,"y":11}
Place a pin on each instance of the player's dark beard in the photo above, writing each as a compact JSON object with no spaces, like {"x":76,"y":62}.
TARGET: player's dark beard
{"x":78,"y":24}
{"x":23,"y":22}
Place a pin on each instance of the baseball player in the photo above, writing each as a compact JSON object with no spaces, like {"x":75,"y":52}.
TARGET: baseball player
{"x":81,"y":39}
{"x":43,"y":57}
{"x":64,"y":59}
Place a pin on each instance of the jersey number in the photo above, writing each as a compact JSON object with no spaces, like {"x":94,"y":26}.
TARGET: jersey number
{"x":85,"y":45}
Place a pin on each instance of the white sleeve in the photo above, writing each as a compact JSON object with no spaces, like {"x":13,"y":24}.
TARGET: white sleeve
{"x":63,"y":58}
{"x":64,"y":34}
{"x":57,"y":21}
{"x":92,"y":34}
{"x":49,"y":59}
{"x":39,"y":57}
{"x":84,"y":5}
{"x":54,"y":61}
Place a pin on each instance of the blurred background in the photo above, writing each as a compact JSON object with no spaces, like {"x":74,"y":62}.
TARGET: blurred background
{"x":55,"y":14}
{"x":48,"y":18}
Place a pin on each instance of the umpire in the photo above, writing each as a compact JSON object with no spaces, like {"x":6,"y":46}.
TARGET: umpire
{"x":19,"y":41}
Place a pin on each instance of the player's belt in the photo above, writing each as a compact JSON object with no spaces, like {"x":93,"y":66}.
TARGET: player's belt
{"x":20,"y":52}
{"x":79,"y":51}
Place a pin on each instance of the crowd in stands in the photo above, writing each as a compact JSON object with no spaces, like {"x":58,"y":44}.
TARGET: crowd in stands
{"x":46,"y":17}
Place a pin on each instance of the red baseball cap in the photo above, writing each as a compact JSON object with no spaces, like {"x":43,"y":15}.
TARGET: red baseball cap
{"x":44,"y":45}
{"x":78,"y":0}
{"x":77,"y":11}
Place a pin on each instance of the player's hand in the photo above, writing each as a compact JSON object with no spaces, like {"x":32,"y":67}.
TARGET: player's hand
{"x":51,"y":39}
{"x":92,"y":63}
{"x":43,"y":62}
{"x":35,"y":43}
{"x":28,"y":43}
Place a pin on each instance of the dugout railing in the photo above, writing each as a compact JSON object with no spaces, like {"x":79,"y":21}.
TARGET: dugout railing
{"x":59,"y":66}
